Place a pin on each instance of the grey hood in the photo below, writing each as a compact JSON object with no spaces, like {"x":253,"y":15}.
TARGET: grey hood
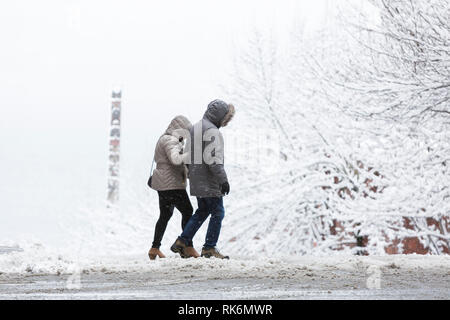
{"x":219,"y":113}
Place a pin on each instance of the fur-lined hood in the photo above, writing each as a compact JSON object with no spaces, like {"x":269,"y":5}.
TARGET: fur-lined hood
{"x":220,"y":113}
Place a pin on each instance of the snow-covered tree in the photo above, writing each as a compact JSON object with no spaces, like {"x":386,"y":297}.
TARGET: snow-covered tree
{"x":277,"y":100}
{"x":396,"y":84}
{"x":360,"y":111}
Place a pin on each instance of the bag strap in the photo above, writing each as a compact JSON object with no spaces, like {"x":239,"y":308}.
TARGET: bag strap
{"x":151,"y":170}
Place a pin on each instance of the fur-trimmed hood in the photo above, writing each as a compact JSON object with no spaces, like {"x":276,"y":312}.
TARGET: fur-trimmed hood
{"x":220,"y":113}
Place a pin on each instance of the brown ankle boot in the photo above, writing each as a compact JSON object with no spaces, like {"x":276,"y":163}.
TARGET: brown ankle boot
{"x":190,"y":252}
{"x":179,"y":247}
{"x":154,"y":252}
{"x":213,"y":252}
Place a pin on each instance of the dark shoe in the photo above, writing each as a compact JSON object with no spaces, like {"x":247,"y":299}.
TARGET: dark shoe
{"x":179,"y":247}
{"x":190,"y":252}
{"x":213,"y":252}
{"x":155,"y":252}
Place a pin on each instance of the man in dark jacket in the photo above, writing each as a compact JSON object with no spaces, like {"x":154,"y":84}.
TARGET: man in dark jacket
{"x":207,"y":178}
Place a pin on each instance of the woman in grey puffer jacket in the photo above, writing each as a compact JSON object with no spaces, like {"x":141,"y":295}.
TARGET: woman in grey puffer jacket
{"x":169,"y":179}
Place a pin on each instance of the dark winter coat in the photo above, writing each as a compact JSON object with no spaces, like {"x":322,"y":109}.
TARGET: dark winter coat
{"x":206,"y":178}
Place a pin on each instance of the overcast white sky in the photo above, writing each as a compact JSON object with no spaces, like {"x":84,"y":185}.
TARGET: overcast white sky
{"x":59,"y":61}
{"x":63,"y":57}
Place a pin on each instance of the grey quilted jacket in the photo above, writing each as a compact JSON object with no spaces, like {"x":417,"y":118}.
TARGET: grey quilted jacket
{"x":171,"y":172}
{"x":206,"y":177}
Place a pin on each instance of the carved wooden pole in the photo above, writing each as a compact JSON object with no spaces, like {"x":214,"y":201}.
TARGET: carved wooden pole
{"x":114,"y":149}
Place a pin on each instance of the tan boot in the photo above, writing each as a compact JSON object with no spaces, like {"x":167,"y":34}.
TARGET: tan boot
{"x":213,"y":252}
{"x":190,"y":252}
{"x":154,"y":252}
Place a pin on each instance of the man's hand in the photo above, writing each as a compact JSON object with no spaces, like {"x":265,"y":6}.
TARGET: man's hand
{"x":225,"y":188}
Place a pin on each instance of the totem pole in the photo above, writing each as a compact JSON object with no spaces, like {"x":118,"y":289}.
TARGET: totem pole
{"x":114,"y":149}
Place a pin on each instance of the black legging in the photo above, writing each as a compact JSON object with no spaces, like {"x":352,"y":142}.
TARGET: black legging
{"x":168,"y":200}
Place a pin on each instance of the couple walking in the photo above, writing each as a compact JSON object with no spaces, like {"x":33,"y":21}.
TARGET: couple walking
{"x":195,"y":152}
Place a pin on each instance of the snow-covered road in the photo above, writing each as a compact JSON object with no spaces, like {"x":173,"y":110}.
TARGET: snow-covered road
{"x":337,"y":277}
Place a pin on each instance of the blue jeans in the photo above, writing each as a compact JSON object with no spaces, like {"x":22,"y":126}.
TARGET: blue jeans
{"x":206,"y":207}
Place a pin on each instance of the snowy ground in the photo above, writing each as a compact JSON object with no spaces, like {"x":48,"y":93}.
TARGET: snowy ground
{"x":134,"y":277}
